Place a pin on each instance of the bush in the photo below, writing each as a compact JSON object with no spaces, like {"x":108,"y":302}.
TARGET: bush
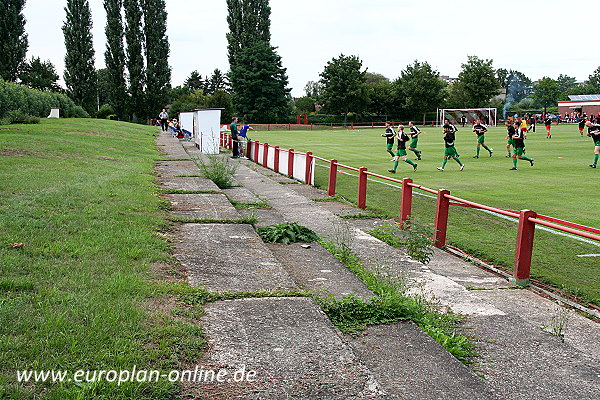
{"x":19,"y":117}
{"x":36,"y":103}
{"x":105,"y":111}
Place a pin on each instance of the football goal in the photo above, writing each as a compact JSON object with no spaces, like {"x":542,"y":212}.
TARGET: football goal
{"x":465,"y":116}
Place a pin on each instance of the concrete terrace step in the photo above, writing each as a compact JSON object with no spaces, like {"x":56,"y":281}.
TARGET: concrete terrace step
{"x":188,"y":183}
{"x":292,"y":346}
{"x":411,"y":364}
{"x":229,"y":258}
{"x":316,"y":270}
{"x":173,"y":168}
{"x":202,"y":206}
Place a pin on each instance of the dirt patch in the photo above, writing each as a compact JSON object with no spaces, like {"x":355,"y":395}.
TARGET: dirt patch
{"x":15,"y":152}
{"x":168,"y":273}
{"x":107,"y":158}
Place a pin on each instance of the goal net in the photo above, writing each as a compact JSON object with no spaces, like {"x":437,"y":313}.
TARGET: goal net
{"x":467,"y":115}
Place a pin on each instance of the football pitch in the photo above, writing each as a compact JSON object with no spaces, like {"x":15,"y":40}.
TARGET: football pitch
{"x":560,"y":184}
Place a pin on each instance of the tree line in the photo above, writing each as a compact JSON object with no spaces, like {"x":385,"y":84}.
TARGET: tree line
{"x":136,"y":82}
{"x":345,"y":88}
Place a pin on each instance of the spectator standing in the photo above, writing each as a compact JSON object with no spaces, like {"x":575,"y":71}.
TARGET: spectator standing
{"x":164,"y":118}
{"x":234,"y":136}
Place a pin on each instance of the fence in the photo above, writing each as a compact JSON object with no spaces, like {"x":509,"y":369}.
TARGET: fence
{"x":303,"y":169}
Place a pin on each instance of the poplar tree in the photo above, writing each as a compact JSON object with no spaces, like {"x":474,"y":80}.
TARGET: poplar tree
{"x":13,"y":39}
{"x":135,"y":60}
{"x":80,"y":72}
{"x":249,"y":22}
{"x":158,"y":72}
{"x":114,"y":57}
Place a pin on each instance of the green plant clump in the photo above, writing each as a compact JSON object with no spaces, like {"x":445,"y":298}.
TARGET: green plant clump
{"x":220,"y":170}
{"x":392,"y":303}
{"x":416,"y":238}
{"x":286,"y":233}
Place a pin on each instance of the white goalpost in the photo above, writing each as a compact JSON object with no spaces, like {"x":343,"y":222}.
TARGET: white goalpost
{"x":456,"y":115}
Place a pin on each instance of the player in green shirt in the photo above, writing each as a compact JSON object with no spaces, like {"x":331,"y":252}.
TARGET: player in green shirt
{"x":401,"y":153}
{"x":594,"y":133}
{"x":450,"y":150}
{"x":389,"y":135}
{"x":509,"y":140}
{"x":480,"y":129}
{"x":519,"y":146}
{"x":414,"y":134}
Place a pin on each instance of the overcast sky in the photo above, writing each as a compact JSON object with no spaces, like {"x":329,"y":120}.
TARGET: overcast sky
{"x":538,"y":38}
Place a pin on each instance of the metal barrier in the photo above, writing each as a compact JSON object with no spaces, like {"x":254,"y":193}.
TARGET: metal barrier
{"x":527,"y":218}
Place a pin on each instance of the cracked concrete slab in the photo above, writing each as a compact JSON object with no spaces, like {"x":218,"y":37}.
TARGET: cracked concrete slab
{"x":188,"y":183}
{"x":530,"y":364}
{"x":174,"y":168}
{"x":409,"y":363}
{"x":317,"y":270}
{"x":293,"y":359}
{"x":202,"y":205}
{"x":241,"y":194}
{"x":229,"y":258}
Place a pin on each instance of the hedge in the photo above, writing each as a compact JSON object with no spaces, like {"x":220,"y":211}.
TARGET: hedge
{"x":34,"y":102}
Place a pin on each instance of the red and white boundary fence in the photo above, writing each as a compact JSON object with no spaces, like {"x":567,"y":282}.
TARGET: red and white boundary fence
{"x":302,"y":164}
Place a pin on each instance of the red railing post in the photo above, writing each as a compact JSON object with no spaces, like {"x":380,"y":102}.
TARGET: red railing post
{"x":405,"y":203}
{"x":257,"y":144}
{"x":276,"y":161}
{"x":230,"y":142}
{"x":362,"y":188}
{"x":308,"y":169}
{"x":332,"y":177}
{"x":441,"y":218}
{"x":265,"y":154}
{"x":524,"y":248}
{"x":291,"y":162}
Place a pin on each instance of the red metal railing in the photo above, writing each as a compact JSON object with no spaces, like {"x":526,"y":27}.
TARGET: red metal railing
{"x":527,"y":219}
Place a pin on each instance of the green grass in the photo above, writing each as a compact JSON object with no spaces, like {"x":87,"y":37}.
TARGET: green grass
{"x":560,"y":185}
{"x":80,"y":196}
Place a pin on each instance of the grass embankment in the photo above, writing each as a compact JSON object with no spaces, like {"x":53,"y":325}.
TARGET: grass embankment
{"x":81,"y":198}
{"x":560,"y":185}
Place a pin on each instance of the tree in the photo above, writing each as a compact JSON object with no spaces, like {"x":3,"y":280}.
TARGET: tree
{"x":546,"y":93}
{"x":421,"y":87}
{"x":594,"y":80}
{"x":194,"y":81}
{"x":221,"y":99}
{"x":135,"y":59}
{"x":103,"y":85}
{"x":566,"y":84}
{"x":313,"y":89}
{"x":519,"y":86}
{"x":249,"y":22}
{"x":189,"y":102}
{"x":217,"y":81}
{"x":259,"y":84}
{"x":80,"y":72}
{"x":38,"y":74}
{"x":158,"y":72}
{"x":344,"y":88}
{"x":304,"y":105}
{"x":13,"y":39}
{"x":380,"y":96}
{"x":114,"y":57}
{"x":477,"y":80}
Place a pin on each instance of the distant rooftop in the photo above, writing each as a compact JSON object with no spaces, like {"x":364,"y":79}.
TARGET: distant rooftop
{"x":584,"y":97}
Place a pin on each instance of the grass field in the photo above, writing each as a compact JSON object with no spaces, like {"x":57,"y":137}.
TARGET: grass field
{"x":560,"y":184}
{"x":82,"y":292}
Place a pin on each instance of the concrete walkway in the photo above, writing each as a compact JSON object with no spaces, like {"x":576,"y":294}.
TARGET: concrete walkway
{"x":297,"y":352}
